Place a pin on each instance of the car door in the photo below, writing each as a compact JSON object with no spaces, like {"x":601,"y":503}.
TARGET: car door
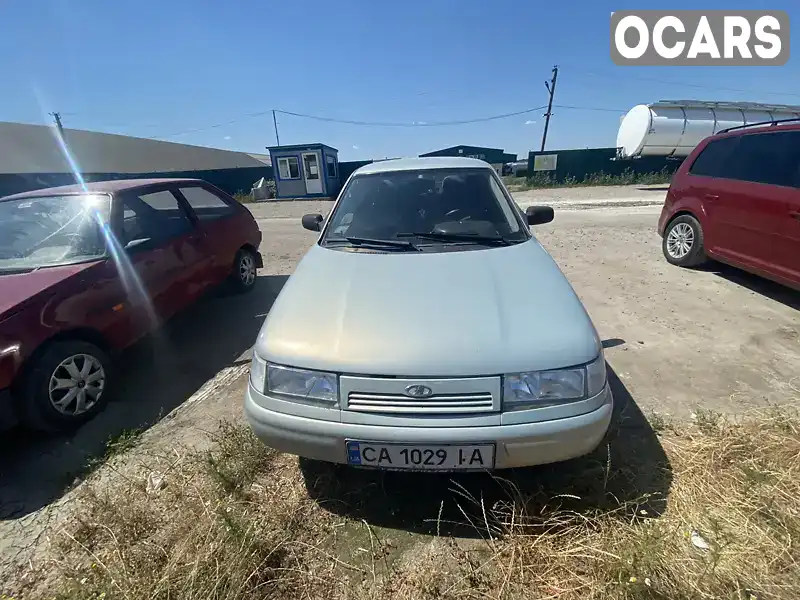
{"x":792,"y":233}
{"x":159,"y":241}
{"x":216,"y":221}
{"x":754,"y":205}
{"x":778,"y":166}
{"x":708,"y":186}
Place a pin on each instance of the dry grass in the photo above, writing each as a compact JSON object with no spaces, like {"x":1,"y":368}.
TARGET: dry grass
{"x":240,"y":523}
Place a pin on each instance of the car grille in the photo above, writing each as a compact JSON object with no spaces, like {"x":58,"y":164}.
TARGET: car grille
{"x":390,"y":396}
{"x":436,"y":404}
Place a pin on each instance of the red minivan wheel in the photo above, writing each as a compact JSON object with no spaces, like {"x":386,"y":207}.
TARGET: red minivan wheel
{"x":683,"y":242}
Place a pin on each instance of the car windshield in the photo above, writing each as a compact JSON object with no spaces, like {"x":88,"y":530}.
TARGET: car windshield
{"x":427,"y":207}
{"x":51,"y":230}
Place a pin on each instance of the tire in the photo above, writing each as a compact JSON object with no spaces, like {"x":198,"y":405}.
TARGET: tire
{"x":77,"y":365}
{"x":683,"y":243}
{"x":243,"y":275}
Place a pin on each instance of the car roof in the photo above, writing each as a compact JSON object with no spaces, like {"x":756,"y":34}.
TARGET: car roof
{"x":98,"y":187}
{"x":414,"y":164}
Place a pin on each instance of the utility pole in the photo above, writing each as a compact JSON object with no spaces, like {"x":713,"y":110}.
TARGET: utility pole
{"x":275,"y":122}
{"x":551,"y":87}
{"x":57,"y":117}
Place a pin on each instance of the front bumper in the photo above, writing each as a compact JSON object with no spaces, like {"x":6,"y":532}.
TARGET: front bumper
{"x":518,"y":445}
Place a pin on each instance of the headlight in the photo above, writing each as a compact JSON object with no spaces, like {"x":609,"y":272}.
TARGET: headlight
{"x":536,"y":389}
{"x":258,"y":372}
{"x":596,"y":375}
{"x":302,"y":385}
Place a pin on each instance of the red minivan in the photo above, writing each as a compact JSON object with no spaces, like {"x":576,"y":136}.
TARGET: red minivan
{"x":736,"y":199}
{"x":86,"y":271}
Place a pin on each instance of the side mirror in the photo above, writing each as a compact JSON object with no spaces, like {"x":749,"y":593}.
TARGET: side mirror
{"x":133,"y":244}
{"x":537,"y":215}
{"x":312,"y":222}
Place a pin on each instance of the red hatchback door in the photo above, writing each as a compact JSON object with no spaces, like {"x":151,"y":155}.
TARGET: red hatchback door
{"x":224,"y":223}
{"x":165,"y":249}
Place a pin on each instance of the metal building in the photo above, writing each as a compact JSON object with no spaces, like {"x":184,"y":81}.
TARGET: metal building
{"x":305,"y":171}
{"x":496,"y":157}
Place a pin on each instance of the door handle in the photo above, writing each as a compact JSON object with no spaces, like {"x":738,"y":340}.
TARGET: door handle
{"x":796,"y":215}
{"x":711,"y":197}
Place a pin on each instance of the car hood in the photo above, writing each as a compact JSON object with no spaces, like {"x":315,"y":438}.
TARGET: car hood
{"x":17,"y":289}
{"x":464,"y":313}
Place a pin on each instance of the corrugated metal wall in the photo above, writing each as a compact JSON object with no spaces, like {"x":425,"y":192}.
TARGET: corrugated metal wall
{"x":230,"y":180}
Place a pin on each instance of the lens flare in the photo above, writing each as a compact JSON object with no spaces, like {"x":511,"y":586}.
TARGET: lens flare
{"x":131,"y":282}
{"x":137,"y":294}
{"x":73,"y":165}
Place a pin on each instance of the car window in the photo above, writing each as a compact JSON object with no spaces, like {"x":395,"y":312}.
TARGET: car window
{"x":206,"y":204}
{"x":772,"y":158}
{"x":716,"y":159}
{"x":156,"y":217}
{"x":388,"y":206}
{"x":52,"y":230}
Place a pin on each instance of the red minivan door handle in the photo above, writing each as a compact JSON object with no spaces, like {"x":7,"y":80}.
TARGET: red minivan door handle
{"x":712,"y":197}
{"x":796,"y":215}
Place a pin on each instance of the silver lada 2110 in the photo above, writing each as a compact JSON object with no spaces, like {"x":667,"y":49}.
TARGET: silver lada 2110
{"x":428,"y":329}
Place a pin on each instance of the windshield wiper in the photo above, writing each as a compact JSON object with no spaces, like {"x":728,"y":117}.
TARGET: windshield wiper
{"x":375,"y":243}
{"x":459,"y":237}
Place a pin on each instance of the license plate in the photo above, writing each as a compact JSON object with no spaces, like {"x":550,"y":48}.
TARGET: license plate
{"x":419,"y":457}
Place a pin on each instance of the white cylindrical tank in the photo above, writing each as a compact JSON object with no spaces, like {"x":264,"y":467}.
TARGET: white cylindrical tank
{"x":675,"y":128}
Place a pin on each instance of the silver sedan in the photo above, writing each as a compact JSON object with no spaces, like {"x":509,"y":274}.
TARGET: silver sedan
{"x":427,"y":329}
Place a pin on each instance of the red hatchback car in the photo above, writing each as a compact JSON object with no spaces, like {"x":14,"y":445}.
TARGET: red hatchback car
{"x":736,"y":199}
{"x":87,"y":271}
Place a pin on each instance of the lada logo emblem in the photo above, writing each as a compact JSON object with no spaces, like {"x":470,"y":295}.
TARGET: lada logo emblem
{"x":418,"y":391}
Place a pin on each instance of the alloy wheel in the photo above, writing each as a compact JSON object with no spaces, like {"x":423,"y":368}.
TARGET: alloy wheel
{"x":680,"y":240}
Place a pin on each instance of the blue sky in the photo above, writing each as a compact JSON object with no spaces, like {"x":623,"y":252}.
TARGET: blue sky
{"x":173,"y":69}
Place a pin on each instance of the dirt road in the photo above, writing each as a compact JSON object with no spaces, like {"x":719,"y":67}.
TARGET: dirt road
{"x":679,"y":340}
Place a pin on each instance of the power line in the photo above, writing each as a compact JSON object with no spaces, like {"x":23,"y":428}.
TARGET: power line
{"x":412,"y":123}
{"x":231,"y":122}
{"x":687,"y":84}
{"x":598,"y":108}
{"x":357,"y":122}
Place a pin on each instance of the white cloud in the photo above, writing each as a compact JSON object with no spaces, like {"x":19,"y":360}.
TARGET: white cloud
{"x":355,"y":147}
{"x":530,"y":122}
{"x":227,"y":137}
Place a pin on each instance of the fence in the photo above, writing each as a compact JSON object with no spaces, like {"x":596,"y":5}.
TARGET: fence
{"x":582,"y":164}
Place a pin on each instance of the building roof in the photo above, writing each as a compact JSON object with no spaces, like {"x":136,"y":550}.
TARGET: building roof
{"x":98,"y":187}
{"x":264,"y":158}
{"x":413,"y":164}
{"x":26,"y":148}
{"x":300,"y":147}
{"x":451,"y":148}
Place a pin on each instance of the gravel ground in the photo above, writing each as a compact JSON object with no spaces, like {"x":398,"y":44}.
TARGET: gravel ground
{"x":678,"y":339}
